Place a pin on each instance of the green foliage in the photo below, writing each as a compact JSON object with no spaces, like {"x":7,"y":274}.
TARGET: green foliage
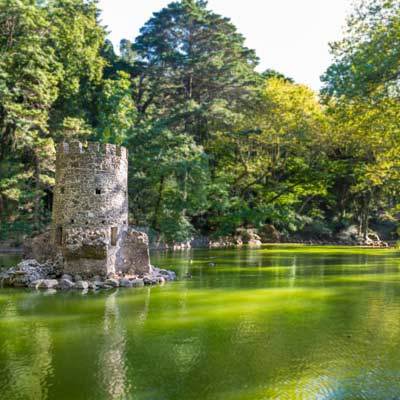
{"x":195,"y":71}
{"x":366,"y":61}
{"x":116,"y":112}
{"x":191,"y":79}
{"x":273,"y":170}
{"x":168,"y":180}
{"x":214,"y":146}
{"x":49,"y":54}
{"x":362,"y":93}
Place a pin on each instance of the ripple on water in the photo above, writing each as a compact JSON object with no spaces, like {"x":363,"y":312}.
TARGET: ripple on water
{"x":273,"y":323}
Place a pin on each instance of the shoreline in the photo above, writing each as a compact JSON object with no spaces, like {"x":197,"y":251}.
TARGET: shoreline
{"x":391,"y":245}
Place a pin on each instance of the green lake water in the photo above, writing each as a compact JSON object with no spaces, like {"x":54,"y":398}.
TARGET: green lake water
{"x":279,"y":322}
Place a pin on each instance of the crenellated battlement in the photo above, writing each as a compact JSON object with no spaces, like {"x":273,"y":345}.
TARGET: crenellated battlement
{"x":77,"y":147}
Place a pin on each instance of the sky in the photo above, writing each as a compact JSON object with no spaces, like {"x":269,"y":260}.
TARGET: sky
{"x":290,"y":36}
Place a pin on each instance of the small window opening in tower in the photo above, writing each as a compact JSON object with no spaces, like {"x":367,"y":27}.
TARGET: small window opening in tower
{"x":114,"y":233}
{"x":98,"y":191}
{"x":59,"y":235}
{"x":72,"y":221}
{"x":62,"y":189}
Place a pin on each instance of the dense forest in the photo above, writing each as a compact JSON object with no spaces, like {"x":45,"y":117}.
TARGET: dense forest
{"x":214,"y":144}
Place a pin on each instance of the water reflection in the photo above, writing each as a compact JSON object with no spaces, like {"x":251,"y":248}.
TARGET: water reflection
{"x":26,"y":377}
{"x":112,"y":358}
{"x":142,"y":316}
{"x":292,"y":278}
{"x":273,"y":323}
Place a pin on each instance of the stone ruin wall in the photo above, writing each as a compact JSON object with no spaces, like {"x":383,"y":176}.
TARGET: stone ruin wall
{"x":90,"y":205}
{"x":90,"y":237}
{"x":91,"y":185}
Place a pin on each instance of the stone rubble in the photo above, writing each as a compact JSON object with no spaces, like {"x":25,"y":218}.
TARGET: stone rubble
{"x":32,"y":274}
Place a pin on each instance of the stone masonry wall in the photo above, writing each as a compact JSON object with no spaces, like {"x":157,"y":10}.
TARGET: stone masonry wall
{"x":133,"y":253}
{"x":91,"y":186}
{"x":90,"y":206}
{"x":90,"y":235}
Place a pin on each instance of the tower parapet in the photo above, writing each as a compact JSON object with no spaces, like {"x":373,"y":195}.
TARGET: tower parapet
{"x":77,"y":147}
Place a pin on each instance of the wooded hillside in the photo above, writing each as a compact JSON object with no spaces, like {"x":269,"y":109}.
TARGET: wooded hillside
{"x":214,"y":145}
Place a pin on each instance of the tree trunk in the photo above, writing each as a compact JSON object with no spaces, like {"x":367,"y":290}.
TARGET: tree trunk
{"x":364,"y":215}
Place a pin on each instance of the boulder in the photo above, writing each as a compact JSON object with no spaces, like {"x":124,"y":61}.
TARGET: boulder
{"x":150,"y":280}
{"x":21,"y":279}
{"x":65,"y":284}
{"x":48,"y":284}
{"x":225,"y":242}
{"x":82,"y":285}
{"x":94,"y":285}
{"x":167,"y":275}
{"x":104,"y":285}
{"x":35,"y":284}
{"x":112,"y":282}
{"x":125,"y":283}
{"x":137,"y":282}
{"x":249,"y":236}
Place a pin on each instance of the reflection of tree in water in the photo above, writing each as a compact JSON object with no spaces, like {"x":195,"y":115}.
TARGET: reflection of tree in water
{"x":26,"y":357}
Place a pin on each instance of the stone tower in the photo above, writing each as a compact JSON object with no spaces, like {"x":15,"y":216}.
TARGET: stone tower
{"x":90,"y":212}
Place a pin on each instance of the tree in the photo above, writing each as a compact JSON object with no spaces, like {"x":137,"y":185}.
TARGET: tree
{"x":362,"y":91}
{"x":49,"y":57}
{"x":275,"y":171}
{"x":168,"y":180}
{"x":367,"y":60}
{"x":195,"y":69}
{"x":116,"y":112}
{"x":191,"y":78}
{"x":365,"y":139}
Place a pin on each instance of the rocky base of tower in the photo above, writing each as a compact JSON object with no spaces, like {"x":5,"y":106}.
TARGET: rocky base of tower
{"x":87,"y":252}
{"x":32,"y":274}
{"x":84,"y":261}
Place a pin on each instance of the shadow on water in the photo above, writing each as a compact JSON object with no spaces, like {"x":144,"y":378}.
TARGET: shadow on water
{"x":276,"y":322}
